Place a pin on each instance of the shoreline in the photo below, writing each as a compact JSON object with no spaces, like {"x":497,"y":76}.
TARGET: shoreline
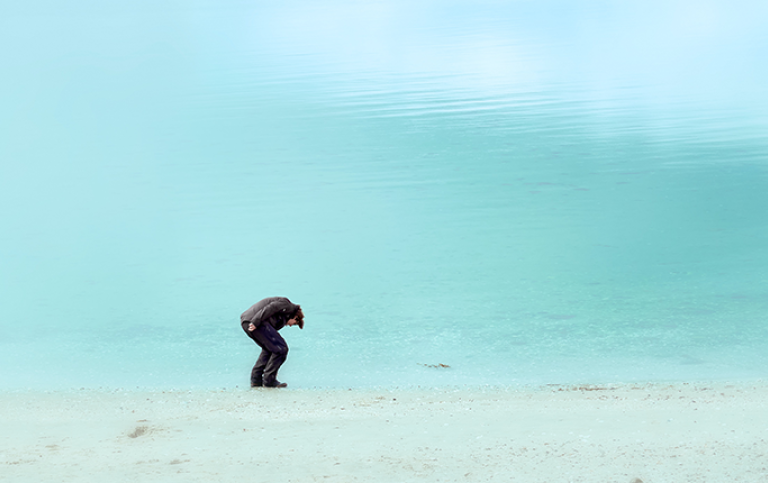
{"x":517,"y":386}
{"x":615,"y":432}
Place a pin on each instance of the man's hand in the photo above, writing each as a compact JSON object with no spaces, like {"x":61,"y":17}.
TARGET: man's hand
{"x":251,"y":327}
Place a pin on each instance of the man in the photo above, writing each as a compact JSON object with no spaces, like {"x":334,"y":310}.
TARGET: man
{"x":261,"y":323}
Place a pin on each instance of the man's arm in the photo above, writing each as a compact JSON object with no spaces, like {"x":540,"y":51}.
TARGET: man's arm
{"x":274,"y":307}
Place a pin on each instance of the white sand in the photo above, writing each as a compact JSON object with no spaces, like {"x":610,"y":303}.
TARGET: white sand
{"x":657,"y":433}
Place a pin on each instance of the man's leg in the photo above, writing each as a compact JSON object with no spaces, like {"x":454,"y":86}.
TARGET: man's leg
{"x":257,"y":372}
{"x":270,"y":341}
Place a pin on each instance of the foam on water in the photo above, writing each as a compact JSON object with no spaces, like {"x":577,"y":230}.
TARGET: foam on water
{"x":527,"y":192}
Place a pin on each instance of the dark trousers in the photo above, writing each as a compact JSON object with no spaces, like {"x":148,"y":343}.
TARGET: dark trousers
{"x":274,"y":351}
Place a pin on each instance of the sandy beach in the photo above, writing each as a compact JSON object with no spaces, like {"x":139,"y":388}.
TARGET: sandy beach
{"x":654,"y":433}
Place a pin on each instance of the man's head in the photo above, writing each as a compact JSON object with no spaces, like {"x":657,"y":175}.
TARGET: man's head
{"x":297,"y":319}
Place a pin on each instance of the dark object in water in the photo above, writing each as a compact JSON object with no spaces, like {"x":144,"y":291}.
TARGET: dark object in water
{"x":436,"y":366}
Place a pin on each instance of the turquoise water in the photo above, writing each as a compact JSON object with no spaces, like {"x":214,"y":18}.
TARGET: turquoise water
{"x":527,"y":192}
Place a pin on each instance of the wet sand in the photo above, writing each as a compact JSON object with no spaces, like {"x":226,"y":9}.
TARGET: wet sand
{"x":654,"y":433}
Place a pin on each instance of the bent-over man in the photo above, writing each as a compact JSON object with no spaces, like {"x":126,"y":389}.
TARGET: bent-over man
{"x":261,"y":323}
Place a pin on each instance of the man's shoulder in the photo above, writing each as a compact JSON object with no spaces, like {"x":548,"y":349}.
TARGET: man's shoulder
{"x":269,"y":300}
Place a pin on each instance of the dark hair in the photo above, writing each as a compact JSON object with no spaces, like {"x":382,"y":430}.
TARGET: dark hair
{"x":299,"y":316}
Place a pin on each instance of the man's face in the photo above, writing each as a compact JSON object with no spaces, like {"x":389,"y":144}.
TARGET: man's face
{"x":295,"y":320}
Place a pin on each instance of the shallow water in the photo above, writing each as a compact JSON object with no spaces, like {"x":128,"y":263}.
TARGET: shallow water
{"x":527,"y":192}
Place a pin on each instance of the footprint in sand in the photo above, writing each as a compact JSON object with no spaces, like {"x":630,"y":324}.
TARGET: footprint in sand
{"x":139,"y":431}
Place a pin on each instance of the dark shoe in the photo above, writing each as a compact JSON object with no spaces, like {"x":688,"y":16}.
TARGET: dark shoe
{"x":256,"y":384}
{"x":275,"y":383}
